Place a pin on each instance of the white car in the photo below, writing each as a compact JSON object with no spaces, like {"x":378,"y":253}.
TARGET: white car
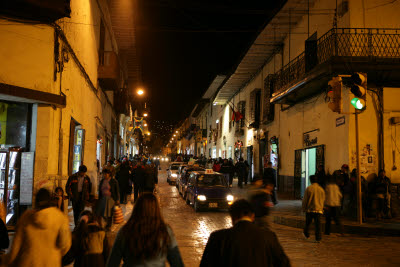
{"x":173,"y":171}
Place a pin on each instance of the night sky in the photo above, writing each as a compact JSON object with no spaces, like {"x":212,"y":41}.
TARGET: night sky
{"x":184,"y":44}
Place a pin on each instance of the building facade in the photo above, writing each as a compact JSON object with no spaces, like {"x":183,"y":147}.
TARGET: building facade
{"x":63,"y":87}
{"x":281,"y":89}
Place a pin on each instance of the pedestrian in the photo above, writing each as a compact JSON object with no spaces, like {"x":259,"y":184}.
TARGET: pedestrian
{"x":139,"y":178}
{"x":145,"y":240}
{"x":78,"y":188}
{"x":109,"y":196}
{"x":241,"y":172}
{"x":58,"y":198}
{"x":382,"y":190}
{"x":333,"y":200}
{"x":244,"y":244}
{"x":313,"y":205}
{"x":42,"y":235}
{"x":89,"y":243}
{"x":261,"y":201}
{"x":151,"y":178}
{"x":269,"y":177}
{"x":110,"y":167}
{"x":123,"y":176}
{"x":217,"y":166}
{"x":226,"y":170}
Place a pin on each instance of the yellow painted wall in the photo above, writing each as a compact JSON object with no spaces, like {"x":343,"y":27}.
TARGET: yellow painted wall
{"x":26,"y":53}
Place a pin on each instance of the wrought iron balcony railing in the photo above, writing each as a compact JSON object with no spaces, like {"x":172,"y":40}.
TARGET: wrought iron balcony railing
{"x":343,"y":42}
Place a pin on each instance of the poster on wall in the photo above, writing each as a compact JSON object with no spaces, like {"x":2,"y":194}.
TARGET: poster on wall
{"x":367,"y":160}
{"x":26,"y":178}
{"x":3,"y":122}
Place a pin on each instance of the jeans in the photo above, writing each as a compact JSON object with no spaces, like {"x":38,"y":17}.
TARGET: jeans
{"x":310,"y":216}
{"x":332,"y":213}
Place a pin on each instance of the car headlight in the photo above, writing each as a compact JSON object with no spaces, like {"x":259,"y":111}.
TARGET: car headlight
{"x":174,"y":175}
{"x":229,"y":198}
{"x":162,"y":159}
{"x":166,"y":159}
{"x":201,"y":197}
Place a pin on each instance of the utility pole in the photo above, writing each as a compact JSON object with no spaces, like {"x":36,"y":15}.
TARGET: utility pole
{"x":359,"y":196}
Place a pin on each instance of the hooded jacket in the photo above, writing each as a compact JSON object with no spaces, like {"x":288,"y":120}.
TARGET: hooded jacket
{"x":42,"y":237}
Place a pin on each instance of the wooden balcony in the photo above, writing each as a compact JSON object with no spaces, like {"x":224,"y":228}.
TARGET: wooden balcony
{"x":108,"y":71}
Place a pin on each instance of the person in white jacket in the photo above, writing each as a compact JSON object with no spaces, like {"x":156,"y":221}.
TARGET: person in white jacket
{"x":333,"y":200}
{"x":42,"y":236}
{"x":313,"y":205}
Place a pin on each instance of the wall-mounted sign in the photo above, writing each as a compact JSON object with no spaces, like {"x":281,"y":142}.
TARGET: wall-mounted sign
{"x":340,"y":121}
{"x":310,"y":138}
{"x":26,"y":182}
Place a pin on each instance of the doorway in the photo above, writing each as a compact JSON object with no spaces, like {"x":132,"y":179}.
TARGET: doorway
{"x":306,"y":162}
{"x":250,"y":162}
{"x":308,"y":167}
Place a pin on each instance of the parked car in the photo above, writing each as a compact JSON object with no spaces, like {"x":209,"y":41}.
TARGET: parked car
{"x":208,"y":190}
{"x":172,"y":172}
{"x":183,"y":178}
{"x":181,"y":168}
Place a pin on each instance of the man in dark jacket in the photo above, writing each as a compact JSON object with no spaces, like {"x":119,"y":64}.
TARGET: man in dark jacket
{"x":139,"y":179}
{"x":78,"y":188}
{"x":244,"y":244}
{"x":226,"y":170}
{"x":269,"y":177}
{"x":241,"y":172}
{"x":123,"y":176}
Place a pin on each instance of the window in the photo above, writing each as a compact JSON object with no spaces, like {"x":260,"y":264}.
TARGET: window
{"x":255,"y":108}
{"x":211,"y":180}
{"x":241,"y":124}
{"x":268,"y":108}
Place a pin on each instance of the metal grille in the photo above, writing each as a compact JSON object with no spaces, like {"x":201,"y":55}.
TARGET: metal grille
{"x":343,"y":42}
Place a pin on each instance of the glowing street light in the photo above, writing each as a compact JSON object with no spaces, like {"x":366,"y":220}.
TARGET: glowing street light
{"x":177,"y":131}
{"x":148,"y":133}
{"x":174,"y":134}
{"x":140,"y":91}
{"x":145,"y":114}
{"x":145,"y":125}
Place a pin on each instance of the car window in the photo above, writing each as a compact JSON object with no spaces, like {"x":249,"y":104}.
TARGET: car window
{"x":211,"y":180}
{"x":174,"y":167}
{"x":192,"y":179}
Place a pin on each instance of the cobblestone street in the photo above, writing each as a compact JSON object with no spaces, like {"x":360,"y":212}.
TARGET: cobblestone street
{"x":192,"y":230}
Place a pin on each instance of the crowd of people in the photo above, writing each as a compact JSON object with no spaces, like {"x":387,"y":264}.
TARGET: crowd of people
{"x":335,"y":195}
{"x":43,"y":236}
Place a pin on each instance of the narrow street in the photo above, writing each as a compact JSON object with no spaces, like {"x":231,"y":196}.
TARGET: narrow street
{"x":193,"y":229}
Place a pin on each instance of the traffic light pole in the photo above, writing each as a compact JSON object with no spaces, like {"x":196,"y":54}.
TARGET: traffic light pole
{"x":359,"y":193}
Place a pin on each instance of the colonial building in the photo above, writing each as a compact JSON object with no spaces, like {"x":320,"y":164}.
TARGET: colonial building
{"x":281,"y":89}
{"x":63,"y":85}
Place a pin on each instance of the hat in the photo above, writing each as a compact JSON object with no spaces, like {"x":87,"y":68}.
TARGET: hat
{"x":345,"y":166}
{"x":82,"y":168}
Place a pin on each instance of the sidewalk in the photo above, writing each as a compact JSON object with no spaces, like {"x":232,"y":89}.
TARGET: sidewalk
{"x":289,"y":212}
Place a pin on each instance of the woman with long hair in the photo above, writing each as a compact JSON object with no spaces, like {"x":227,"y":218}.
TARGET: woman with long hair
{"x":145,"y":240}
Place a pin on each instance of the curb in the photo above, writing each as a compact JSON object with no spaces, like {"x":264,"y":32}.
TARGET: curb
{"x":365,"y":229}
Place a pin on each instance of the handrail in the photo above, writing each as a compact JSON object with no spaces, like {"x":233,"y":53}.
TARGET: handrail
{"x":342,"y":42}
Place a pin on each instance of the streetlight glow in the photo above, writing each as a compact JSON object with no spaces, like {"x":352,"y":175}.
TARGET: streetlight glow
{"x":145,"y":125}
{"x":140,"y":92}
{"x":145,"y":114}
{"x":148,"y":133}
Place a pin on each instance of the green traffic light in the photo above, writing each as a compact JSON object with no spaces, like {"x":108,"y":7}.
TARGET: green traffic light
{"x":358,"y":103}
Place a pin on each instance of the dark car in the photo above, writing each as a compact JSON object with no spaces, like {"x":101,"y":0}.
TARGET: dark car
{"x":208,"y":190}
{"x":180,"y":170}
{"x":183,"y":178}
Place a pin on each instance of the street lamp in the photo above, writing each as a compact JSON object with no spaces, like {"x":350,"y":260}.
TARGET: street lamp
{"x":145,"y":125}
{"x":177,"y":131}
{"x":148,"y":133}
{"x":140,"y":91}
{"x":174,"y":134}
{"x":145,"y":114}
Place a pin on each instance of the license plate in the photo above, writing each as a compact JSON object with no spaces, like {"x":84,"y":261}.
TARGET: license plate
{"x":212,"y":205}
